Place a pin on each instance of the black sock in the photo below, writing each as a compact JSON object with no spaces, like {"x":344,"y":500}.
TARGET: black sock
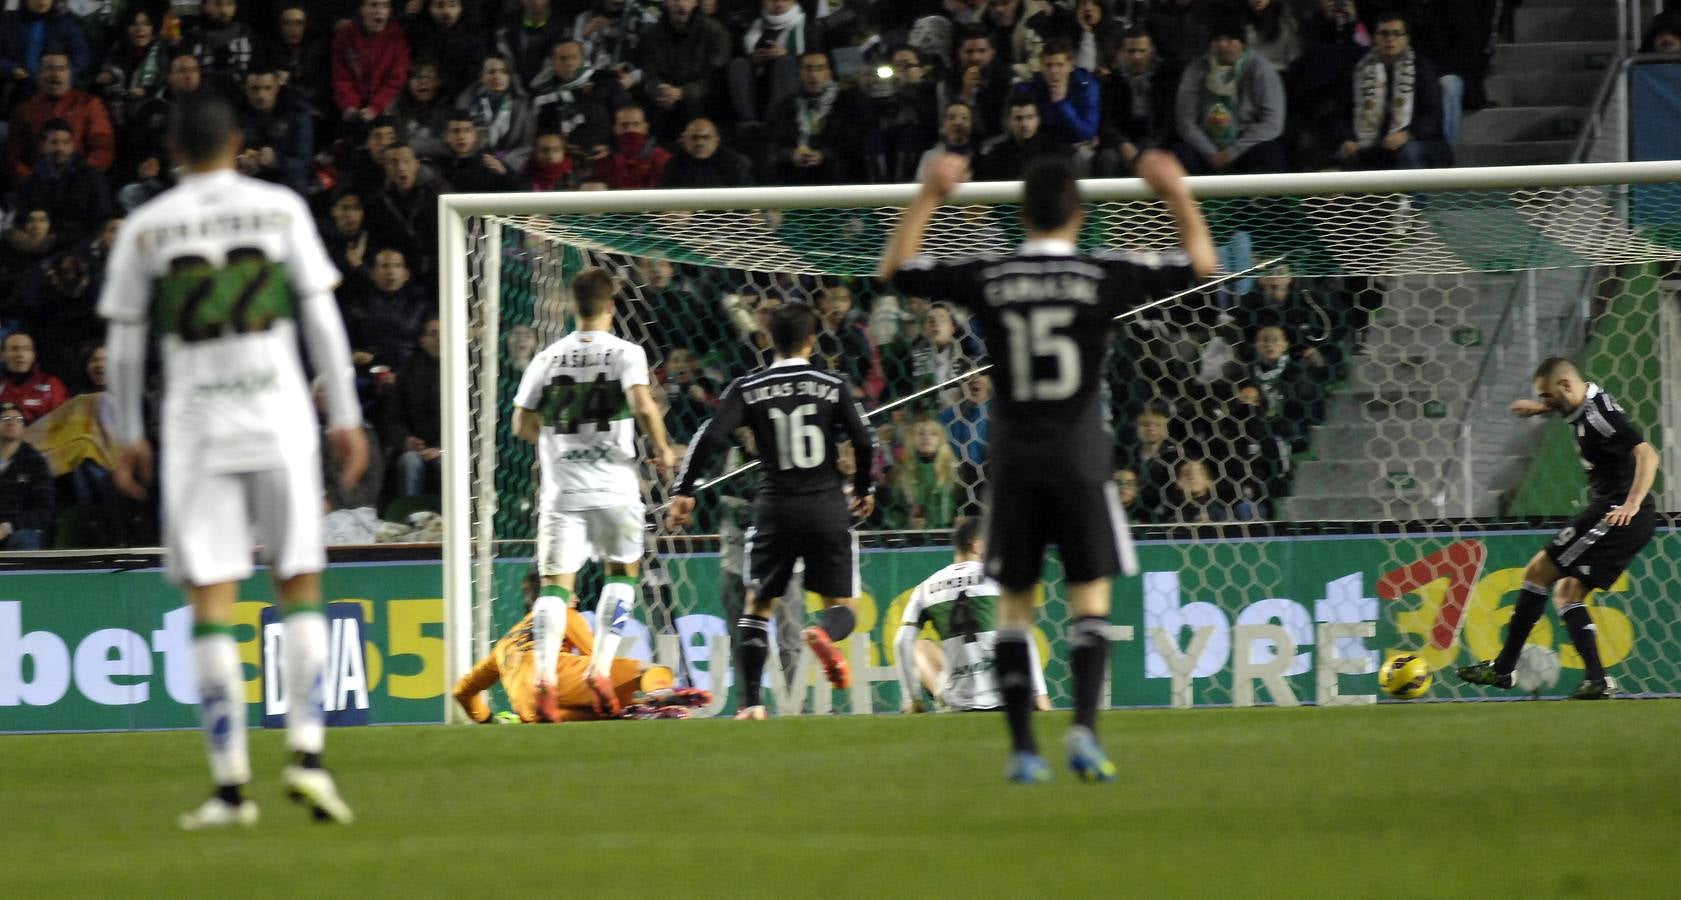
{"x":1586,"y":638}
{"x":306,"y":760}
{"x":1015,"y":682}
{"x":1532,"y":602}
{"x":754,"y":634}
{"x":837,"y":622}
{"x":231,"y":794}
{"x":1088,"y":662}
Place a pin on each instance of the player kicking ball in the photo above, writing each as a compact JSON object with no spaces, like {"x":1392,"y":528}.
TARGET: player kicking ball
{"x":798,"y":415}
{"x":576,"y":402}
{"x":228,"y":271}
{"x":1045,"y":310}
{"x":1598,"y":545}
{"x":961,"y":604}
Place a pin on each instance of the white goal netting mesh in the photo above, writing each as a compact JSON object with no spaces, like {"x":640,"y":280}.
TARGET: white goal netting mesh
{"x":1317,"y":450}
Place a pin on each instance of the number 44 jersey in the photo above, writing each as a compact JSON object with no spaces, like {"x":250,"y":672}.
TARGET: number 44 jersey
{"x":217,"y":267}
{"x":579,"y":385}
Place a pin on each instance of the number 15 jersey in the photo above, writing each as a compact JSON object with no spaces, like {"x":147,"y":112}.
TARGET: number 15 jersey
{"x":580,"y":386}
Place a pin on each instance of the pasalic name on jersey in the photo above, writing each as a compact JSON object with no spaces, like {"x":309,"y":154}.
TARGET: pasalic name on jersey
{"x":827,"y":392}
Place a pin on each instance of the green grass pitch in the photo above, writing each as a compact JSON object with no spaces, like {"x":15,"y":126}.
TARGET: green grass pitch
{"x":1486,"y":800}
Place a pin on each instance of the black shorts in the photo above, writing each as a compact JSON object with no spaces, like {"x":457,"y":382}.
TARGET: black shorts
{"x":1596,"y":553}
{"x":1081,"y":516}
{"x":816,"y":530}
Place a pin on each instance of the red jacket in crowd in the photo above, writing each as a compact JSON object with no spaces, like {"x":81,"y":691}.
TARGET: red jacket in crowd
{"x":36,"y":394}
{"x":636,"y":164}
{"x":369,"y":70}
{"x":96,"y":140}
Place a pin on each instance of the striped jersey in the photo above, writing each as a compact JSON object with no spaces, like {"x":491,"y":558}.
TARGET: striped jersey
{"x":961,"y":604}
{"x":1606,"y":439}
{"x":580,"y":386}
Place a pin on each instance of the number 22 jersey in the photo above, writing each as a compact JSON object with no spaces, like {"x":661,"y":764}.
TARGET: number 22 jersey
{"x":580,"y":386}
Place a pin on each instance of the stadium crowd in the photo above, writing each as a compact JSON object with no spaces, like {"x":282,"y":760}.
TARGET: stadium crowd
{"x":372,"y":109}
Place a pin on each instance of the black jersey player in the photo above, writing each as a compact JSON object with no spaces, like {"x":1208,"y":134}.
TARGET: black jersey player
{"x":798,"y":415}
{"x":1599,"y":543}
{"x":1046,"y":312}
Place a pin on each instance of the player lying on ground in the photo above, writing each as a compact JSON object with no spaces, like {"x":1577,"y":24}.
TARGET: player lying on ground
{"x":576,"y":402}
{"x":1598,"y":545}
{"x":798,"y":415}
{"x":961,"y":604}
{"x":228,"y":272}
{"x":1046,"y":311}
{"x":513,"y":661}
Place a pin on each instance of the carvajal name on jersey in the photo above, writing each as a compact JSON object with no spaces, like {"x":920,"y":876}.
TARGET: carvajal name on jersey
{"x":1021,"y":288}
{"x":821,"y":391}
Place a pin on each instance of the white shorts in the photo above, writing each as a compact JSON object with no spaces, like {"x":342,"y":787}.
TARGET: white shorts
{"x":566,"y":539}
{"x":213,"y":522}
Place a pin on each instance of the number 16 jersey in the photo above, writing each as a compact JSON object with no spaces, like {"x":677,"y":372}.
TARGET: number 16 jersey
{"x":580,"y":387}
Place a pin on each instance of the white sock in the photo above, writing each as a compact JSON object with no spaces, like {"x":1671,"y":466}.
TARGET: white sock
{"x":303,"y":655}
{"x":548,"y":632}
{"x":221,"y":706}
{"x":612,"y":614}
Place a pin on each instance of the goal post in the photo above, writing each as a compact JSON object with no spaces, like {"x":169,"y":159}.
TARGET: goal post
{"x":1433,"y":245}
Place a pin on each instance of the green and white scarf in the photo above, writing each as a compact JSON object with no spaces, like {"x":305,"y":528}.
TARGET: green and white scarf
{"x":1219,"y":100}
{"x":1372,"y":96}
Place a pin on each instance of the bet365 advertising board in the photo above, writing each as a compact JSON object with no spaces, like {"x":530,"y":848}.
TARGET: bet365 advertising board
{"x":1279,"y":620}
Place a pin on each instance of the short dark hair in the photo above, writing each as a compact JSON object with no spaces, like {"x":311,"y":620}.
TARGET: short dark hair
{"x":1051,"y":196}
{"x":965,"y":533}
{"x":593,"y":289}
{"x":975,"y":33}
{"x":1554,"y":367}
{"x":1134,"y":32}
{"x":201,"y":125}
{"x":791,"y":325}
{"x":1228,"y":26}
{"x":1057,"y":47}
{"x":460,"y":115}
{"x":1393,"y":15}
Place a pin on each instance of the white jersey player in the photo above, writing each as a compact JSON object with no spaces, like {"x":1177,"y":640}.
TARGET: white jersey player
{"x":576,"y":402}
{"x":227,"y":270}
{"x":960,"y":603}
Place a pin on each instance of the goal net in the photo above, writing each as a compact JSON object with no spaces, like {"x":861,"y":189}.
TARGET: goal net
{"x":1315,"y":446}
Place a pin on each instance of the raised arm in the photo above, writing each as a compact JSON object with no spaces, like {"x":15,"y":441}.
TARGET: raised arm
{"x":1163,"y":173}
{"x":944,"y":174}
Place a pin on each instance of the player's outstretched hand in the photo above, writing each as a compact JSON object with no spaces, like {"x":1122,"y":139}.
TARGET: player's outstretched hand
{"x":862,"y":506}
{"x":1162,"y":171}
{"x":1527,"y":408}
{"x":134,"y":469}
{"x":1622,"y":514}
{"x":945,"y":173}
{"x":350,"y":449}
{"x":680,"y":513}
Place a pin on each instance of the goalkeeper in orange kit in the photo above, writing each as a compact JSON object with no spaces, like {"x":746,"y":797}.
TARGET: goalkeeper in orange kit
{"x":643,"y":690}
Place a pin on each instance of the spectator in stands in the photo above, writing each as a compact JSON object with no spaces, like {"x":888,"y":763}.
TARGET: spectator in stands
{"x":1278,"y":300}
{"x":26,"y":491}
{"x":33,"y":392}
{"x":1005,"y":158}
{"x":222,"y":43}
{"x":1333,"y":41}
{"x":1069,"y":101}
{"x":1395,"y":118}
{"x":405,"y":210}
{"x":904,"y":107}
{"x":925,"y":489}
{"x":981,"y":79}
{"x":690,"y":395}
{"x":957,"y":135}
{"x":1132,"y":499}
{"x":1155,"y":457}
{"x":1247,"y":457}
{"x":1289,"y":393}
{"x":842,"y":346}
{"x":346,"y":235}
{"x":457,"y":45}
{"x":525,"y":36}
{"x":134,"y":67}
{"x":370,"y":62}
{"x":550,"y":168}
{"x":385,"y":315}
{"x":576,"y":100}
{"x":1192,"y":498}
{"x":422,"y":111}
{"x":1098,"y":42}
{"x":60,"y":295}
{"x":414,"y":417}
{"x":1020,"y":28}
{"x":1230,"y":108}
{"x":968,"y":423}
{"x":279,"y":137}
{"x":682,"y":57}
{"x":751,"y":313}
{"x":31,"y":239}
{"x":1181,"y":29}
{"x":499,"y":107}
{"x":636,"y":160}
{"x":1271,"y":32}
{"x":940,"y":353}
{"x":1138,"y":104}
{"x":27,"y":34}
{"x":304,"y":59}
{"x":140,"y":153}
{"x":93,"y":372}
{"x":467,"y":168}
{"x":362,"y":165}
{"x":365,"y":492}
{"x":56,"y":99}
{"x":816,"y":132}
{"x":768,"y":72}
{"x":610,"y":41}
{"x":703,"y":161}
{"x":75,"y":194}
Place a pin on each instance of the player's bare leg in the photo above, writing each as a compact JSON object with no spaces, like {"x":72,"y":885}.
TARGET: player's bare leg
{"x":548,"y":632}
{"x":221,"y":689}
{"x":834,"y":624}
{"x":612,"y":617}
{"x":1539,"y":578}
{"x":1088,"y":662}
{"x":1015,"y":683}
{"x":1570,"y":598}
{"x":930,"y":667}
{"x":305,"y":655}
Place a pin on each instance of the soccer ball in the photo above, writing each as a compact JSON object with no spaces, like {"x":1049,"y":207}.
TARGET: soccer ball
{"x":1404,"y":676}
{"x":1537,"y":670}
